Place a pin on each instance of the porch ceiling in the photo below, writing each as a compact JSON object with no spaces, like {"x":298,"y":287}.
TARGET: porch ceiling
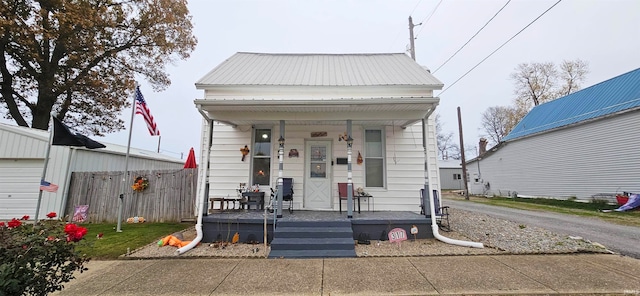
{"x":370,"y":112}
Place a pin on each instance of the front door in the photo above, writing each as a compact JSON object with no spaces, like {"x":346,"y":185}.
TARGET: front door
{"x":317,"y":180}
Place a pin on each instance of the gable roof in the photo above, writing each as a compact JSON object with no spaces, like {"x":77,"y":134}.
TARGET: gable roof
{"x":618,"y":94}
{"x":284,"y":69}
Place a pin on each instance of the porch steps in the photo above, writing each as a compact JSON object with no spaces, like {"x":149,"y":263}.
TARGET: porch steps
{"x":313,"y":239}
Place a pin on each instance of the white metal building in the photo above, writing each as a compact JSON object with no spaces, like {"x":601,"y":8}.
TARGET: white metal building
{"x":22,"y":153}
{"x":451,"y":174}
{"x":579,"y":146}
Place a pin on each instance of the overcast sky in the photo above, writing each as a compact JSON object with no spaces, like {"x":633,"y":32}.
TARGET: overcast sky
{"x":604,"y":33}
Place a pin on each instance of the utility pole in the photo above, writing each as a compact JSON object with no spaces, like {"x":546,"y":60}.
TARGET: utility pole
{"x":464,"y":165}
{"x":412,"y":48}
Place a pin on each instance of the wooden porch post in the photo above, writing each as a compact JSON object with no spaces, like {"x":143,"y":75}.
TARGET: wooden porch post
{"x":349,"y":174}
{"x":280,"y":168}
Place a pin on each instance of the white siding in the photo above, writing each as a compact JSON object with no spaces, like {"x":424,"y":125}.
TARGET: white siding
{"x":22,"y":148}
{"x":597,"y":157}
{"x":96,"y":160}
{"x":20,"y":145}
{"x":448,"y":182}
{"x":404,"y":162}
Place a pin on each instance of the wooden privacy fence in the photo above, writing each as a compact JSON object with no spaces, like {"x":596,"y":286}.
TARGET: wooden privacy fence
{"x":170,"y":196}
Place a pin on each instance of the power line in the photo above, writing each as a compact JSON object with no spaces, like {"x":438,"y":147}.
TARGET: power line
{"x":503,"y":44}
{"x":474,"y":35}
{"x":426,"y":19}
{"x":414,"y":9}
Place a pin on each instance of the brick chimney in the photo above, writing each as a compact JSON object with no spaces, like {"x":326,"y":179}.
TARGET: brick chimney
{"x":483,"y":146}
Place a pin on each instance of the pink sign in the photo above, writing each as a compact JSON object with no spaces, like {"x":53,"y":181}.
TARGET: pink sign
{"x":397,"y":235}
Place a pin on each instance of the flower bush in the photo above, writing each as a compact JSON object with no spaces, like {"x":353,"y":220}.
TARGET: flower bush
{"x":140,"y":184}
{"x":37,"y":258}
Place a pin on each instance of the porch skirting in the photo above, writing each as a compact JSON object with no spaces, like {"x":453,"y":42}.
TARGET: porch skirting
{"x":250,"y":224}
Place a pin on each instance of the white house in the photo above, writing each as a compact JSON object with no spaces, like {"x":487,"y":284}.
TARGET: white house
{"x":311,"y":104}
{"x":579,"y":145}
{"x":22,"y":154}
{"x":451,"y":174}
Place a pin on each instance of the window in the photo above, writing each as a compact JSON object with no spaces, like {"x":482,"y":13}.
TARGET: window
{"x":457,"y":176}
{"x":374,"y":158}
{"x":261,"y":167}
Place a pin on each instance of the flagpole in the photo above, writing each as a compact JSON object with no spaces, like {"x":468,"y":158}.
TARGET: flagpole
{"x":159,"y":137}
{"x":126,"y":163}
{"x":44,"y":169}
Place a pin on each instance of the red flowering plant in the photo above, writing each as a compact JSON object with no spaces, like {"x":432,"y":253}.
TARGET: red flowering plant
{"x":37,"y":258}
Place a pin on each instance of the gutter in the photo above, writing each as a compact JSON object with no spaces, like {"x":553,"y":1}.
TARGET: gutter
{"x":432,"y":210}
{"x":202,"y":193}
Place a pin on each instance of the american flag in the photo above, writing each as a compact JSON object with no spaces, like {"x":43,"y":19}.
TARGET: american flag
{"x":141,"y":108}
{"x":49,"y":187}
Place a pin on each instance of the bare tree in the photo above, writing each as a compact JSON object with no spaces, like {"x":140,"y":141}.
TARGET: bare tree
{"x":498,"y":121}
{"x":572,"y":73}
{"x":535,"y":83}
{"x":447,"y":148}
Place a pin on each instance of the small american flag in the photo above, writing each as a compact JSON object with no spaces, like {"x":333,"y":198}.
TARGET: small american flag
{"x":49,"y":187}
{"x":141,"y":108}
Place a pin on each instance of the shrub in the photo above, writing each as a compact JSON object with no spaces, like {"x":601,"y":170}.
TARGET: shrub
{"x":37,"y":258}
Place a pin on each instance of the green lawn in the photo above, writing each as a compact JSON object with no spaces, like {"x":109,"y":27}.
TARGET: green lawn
{"x":586,"y":209}
{"x":133,"y":236}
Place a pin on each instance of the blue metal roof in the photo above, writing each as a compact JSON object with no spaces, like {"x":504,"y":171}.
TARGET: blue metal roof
{"x":608,"y":97}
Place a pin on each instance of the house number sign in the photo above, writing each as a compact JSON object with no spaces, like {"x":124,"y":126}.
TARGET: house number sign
{"x":397,"y":235}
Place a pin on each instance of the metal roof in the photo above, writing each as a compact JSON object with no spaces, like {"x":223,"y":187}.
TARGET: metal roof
{"x":43,"y":135}
{"x":612,"y":96}
{"x":270,"y":69}
{"x":450,"y":164}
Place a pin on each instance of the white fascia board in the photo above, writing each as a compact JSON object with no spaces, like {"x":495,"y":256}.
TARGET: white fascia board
{"x":339,"y":103}
{"x":318,"y":91}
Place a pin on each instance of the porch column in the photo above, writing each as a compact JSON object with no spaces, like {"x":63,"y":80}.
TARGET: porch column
{"x":427,"y":192}
{"x":349,"y":174}
{"x":280,"y":168}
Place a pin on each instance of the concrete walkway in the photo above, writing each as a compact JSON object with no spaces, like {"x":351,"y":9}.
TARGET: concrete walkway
{"x":497,"y":274}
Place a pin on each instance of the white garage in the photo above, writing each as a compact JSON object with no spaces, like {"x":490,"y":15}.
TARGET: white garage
{"x":22,"y":152}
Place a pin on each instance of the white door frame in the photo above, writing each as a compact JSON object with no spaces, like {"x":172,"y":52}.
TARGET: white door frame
{"x":318,"y":175}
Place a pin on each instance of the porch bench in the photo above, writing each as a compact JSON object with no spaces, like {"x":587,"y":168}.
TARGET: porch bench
{"x":220,"y":204}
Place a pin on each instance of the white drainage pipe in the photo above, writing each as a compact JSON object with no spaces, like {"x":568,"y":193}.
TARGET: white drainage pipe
{"x":437,"y":235}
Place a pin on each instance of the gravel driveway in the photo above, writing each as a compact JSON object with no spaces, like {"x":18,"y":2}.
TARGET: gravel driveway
{"x":618,"y":238}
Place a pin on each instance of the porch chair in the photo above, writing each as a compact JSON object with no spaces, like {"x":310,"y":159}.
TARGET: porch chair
{"x":287,"y":194}
{"x":442,"y":213}
{"x":343,"y":195}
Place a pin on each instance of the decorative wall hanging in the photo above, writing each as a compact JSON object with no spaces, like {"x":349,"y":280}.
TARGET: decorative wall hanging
{"x":343,"y":137}
{"x":245,"y":152}
{"x":293,"y":153}
{"x":140,"y":184}
{"x":359,"y":158}
{"x":318,"y":134}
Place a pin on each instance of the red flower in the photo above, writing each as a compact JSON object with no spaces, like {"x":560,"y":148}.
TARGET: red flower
{"x":1,"y":224}
{"x":14,"y":223}
{"x":51,"y":215}
{"x":51,"y":237}
{"x":25,"y":217}
{"x":74,"y":232}
{"x":69,"y":228}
